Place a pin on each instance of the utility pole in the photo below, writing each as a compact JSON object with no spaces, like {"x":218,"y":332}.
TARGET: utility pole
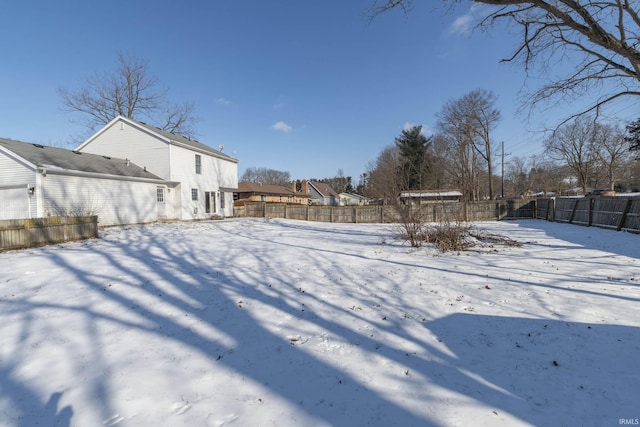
{"x":502,"y":170}
{"x":502,"y":179}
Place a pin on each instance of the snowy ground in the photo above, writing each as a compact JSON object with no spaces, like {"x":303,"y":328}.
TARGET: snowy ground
{"x":251,"y":322}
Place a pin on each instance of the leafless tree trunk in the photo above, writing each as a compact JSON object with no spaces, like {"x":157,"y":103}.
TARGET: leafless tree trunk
{"x":468,"y":122}
{"x":577,"y":144}
{"x":128,"y":91}
{"x":266,"y":176}
{"x":614,"y":153}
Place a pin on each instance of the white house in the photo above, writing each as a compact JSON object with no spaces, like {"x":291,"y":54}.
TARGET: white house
{"x":38,"y":181}
{"x":206,"y":177}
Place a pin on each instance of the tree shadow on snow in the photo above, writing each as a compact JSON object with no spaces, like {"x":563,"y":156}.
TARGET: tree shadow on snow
{"x":187,"y":281}
{"x":542,"y":371}
{"x":522,"y":367}
{"x":602,"y":239}
{"x":24,"y":408}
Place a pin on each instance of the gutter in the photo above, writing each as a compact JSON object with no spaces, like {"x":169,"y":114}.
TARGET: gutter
{"x":65,"y":172}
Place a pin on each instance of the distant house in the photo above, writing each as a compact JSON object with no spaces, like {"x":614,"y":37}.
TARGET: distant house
{"x":38,"y":181}
{"x":205,"y":178}
{"x":257,"y":192}
{"x":349,"y":199}
{"x":429,"y":196}
{"x":321,"y":193}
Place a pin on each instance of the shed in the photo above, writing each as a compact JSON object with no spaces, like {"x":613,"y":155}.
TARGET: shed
{"x":430,"y":196}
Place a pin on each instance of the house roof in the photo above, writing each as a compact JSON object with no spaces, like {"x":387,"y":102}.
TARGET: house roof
{"x":325,"y":190}
{"x":181,"y":140}
{"x":54,"y":158}
{"x":258,"y":188}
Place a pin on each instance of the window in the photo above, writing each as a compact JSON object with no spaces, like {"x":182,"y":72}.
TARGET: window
{"x":194,"y":194}
{"x":222,"y":197}
{"x":198,"y":165}
{"x":160,"y":195}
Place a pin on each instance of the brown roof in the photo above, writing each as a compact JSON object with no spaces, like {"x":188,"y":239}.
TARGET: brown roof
{"x":258,"y":188}
{"x":325,"y":190}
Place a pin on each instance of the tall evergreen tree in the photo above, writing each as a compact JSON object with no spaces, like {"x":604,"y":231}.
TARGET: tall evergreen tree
{"x":633,"y":135}
{"x":413,"y":147}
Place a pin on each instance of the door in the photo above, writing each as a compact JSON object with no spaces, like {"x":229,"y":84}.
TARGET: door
{"x":210,"y":202}
{"x":161,"y":204}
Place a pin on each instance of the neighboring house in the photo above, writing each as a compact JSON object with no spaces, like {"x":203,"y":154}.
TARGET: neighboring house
{"x":38,"y":181}
{"x":428,"y":196}
{"x":320,"y":193}
{"x":257,"y":192}
{"x":350,"y":199}
{"x":206,"y":177}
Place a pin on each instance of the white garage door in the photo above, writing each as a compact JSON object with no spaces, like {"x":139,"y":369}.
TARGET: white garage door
{"x":14,"y":203}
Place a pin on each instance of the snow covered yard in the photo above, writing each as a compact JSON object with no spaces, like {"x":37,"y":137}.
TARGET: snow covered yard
{"x":252,"y":322}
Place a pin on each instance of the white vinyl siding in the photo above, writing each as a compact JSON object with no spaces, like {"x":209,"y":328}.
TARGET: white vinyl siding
{"x":14,"y":203}
{"x":170,"y":161}
{"x":216,"y":173}
{"x":113,"y":201}
{"x":15,"y":177}
{"x":127,"y":142}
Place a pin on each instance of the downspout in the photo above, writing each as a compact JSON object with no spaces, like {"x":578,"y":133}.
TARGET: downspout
{"x":39,"y":192}
{"x":29,"y":199}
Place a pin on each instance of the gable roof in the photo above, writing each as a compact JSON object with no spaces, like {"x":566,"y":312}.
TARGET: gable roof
{"x":54,"y":158}
{"x":258,"y":188}
{"x":168,"y":137}
{"x":323,"y":189}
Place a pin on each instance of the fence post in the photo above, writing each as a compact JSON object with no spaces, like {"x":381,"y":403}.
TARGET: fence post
{"x":573,"y":212}
{"x":590,"y":211}
{"x":623,"y":217}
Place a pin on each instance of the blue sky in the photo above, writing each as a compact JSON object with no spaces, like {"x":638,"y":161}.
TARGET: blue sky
{"x":308,"y":87}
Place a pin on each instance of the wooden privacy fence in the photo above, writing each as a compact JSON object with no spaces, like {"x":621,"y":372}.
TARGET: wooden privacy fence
{"x":25,"y":233}
{"x":430,"y":212}
{"x":619,"y":212}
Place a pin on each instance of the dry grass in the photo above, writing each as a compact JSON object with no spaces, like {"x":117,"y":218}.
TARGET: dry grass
{"x":452,"y":236}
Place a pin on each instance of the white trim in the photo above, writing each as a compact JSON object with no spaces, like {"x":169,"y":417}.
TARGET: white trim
{"x":156,"y":135}
{"x":68,"y":172}
{"x":18,"y":158}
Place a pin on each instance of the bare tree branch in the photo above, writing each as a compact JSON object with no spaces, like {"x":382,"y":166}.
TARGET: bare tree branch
{"x":128,"y":91}
{"x":602,"y":37}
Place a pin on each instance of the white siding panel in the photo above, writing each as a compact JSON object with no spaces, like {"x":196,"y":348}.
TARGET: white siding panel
{"x":12,"y":172}
{"x":14,"y":203}
{"x":215,"y":173}
{"x":114,"y":201}
{"x":123,"y":141}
